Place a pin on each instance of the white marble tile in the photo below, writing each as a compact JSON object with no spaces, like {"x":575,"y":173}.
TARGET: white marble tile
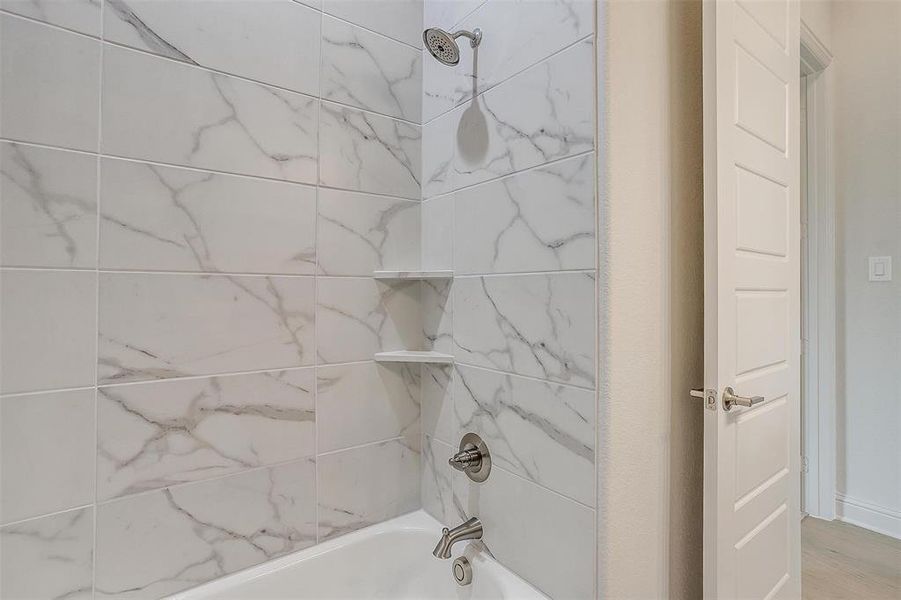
{"x":358,"y":317}
{"x":264,"y":40}
{"x":162,"y":433}
{"x":155,"y":326}
{"x":398,"y":19}
{"x":366,"y":485}
{"x":367,"y":402}
{"x":161,"y":110}
{"x":47,"y":330}
{"x":541,"y":431}
{"x":537,"y":325}
{"x":447,"y":13}
{"x":439,"y":142}
{"x":362,"y":233}
{"x":366,"y":70}
{"x":369,"y":153}
{"x":170,"y":219}
{"x":516,"y":35}
{"x":78,"y":15}
{"x":50,"y":85}
{"x":438,"y":418}
{"x":555,"y":553}
{"x":537,"y":220}
{"x":155,"y":544}
{"x":543,"y":114}
{"x":436,"y":487}
{"x":46,"y":452}
{"x":50,"y":557}
{"x":438,"y":233}
{"x":48,"y":207}
{"x":437,"y":315}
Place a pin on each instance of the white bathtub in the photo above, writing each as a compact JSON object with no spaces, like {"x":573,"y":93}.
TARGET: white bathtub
{"x":389,"y":560}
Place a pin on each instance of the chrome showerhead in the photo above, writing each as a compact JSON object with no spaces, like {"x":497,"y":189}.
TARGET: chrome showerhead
{"x":443,"y":45}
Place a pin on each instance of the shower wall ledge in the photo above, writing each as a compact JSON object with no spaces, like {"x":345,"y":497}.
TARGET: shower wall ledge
{"x":414,"y":356}
{"x":436,"y":274}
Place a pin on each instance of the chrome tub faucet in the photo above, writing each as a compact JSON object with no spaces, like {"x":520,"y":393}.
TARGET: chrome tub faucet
{"x":470,"y":530}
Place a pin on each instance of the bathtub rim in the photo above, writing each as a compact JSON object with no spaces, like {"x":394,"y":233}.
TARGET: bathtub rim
{"x":418,"y":521}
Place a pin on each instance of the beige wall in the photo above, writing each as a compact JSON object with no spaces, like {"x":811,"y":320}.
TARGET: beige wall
{"x":817,"y":14}
{"x":867,"y":51}
{"x":650,"y":206}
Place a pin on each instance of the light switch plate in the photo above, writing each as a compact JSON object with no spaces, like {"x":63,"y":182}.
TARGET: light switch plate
{"x":880,"y":268}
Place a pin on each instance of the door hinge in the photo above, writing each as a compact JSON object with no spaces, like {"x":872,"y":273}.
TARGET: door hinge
{"x":805,"y":465}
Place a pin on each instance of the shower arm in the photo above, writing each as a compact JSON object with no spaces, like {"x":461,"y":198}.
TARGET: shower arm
{"x":475,"y":36}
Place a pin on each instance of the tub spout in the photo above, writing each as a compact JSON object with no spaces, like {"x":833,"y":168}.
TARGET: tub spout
{"x":470,"y":530}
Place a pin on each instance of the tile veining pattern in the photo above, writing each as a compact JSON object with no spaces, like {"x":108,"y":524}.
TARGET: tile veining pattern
{"x":509,"y":205}
{"x":194,"y":197}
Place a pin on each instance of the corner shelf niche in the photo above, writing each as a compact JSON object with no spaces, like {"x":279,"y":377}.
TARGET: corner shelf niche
{"x":414,"y":356}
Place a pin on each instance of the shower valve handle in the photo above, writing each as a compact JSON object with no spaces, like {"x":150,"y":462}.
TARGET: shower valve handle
{"x":472,"y":458}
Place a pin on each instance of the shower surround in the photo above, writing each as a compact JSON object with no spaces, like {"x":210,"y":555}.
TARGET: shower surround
{"x":509,"y":205}
{"x":194,"y":198}
{"x":193,"y":203}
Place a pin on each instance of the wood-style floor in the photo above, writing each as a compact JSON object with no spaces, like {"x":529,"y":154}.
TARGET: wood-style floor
{"x":844,"y":562}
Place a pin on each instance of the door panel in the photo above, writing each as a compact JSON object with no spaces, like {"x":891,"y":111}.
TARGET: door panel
{"x":761,"y":112}
{"x":752,"y":298}
{"x":762,"y":220}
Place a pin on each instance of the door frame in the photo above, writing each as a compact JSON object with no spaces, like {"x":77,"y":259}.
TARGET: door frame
{"x":818,"y":394}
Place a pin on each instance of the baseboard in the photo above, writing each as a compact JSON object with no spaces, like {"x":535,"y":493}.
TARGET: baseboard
{"x":867,"y":515}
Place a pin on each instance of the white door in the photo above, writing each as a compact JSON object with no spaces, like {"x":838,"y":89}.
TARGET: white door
{"x":752,"y":546}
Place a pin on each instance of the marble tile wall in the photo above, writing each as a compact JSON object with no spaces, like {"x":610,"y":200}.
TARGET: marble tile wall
{"x":509,"y":205}
{"x":193,"y":197}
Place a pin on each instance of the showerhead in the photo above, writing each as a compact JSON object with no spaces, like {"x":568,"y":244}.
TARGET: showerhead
{"x":443,"y":45}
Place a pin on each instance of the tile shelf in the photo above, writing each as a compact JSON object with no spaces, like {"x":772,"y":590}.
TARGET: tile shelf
{"x":437,"y":274}
{"x":414,"y":356}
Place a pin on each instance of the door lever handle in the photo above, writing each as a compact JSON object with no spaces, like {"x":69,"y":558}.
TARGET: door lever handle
{"x":730,"y":399}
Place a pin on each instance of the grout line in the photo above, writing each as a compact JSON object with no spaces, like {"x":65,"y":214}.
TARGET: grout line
{"x":204,"y":170}
{"x":360,"y":446}
{"x":590,"y":36}
{"x":152,"y":272}
{"x":585,"y":271}
{"x":598,"y":118}
{"x":96,"y":337}
{"x":183,"y":484}
{"x":398,"y":282}
{"x":510,"y":174}
{"x":549,"y":382}
{"x":368,"y":30}
{"x":469,"y":14}
{"x":7,"y":140}
{"x":102,"y":386}
{"x":372,"y":112}
{"x":364,"y":28}
{"x":51,"y":269}
{"x":542,"y":486}
{"x":81,"y":34}
{"x":316,"y":279}
{"x":46,"y":515}
{"x":246,"y":79}
{"x":83,"y":388}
